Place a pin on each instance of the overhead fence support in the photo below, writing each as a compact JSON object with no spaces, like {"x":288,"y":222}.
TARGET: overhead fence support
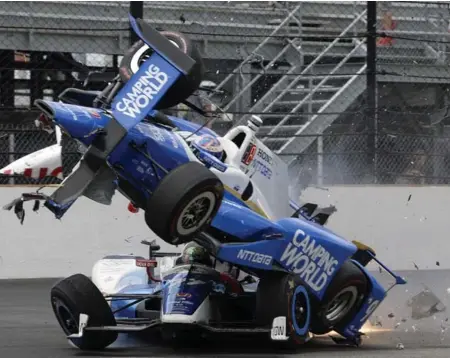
{"x":137,"y":11}
{"x":371,"y":93}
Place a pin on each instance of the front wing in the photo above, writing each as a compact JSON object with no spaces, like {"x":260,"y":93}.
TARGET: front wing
{"x":135,"y":325}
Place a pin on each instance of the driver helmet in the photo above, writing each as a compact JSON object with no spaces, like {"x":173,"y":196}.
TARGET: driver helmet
{"x":210,"y":145}
{"x":194,"y":254}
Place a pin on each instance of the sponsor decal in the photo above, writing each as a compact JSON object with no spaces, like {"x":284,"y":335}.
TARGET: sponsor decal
{"x":291,"y":284}
{"x":236,"y":205}
{"x":174,"y":141}
{"x":310,"y":260}
{"x":264,"y":156}
{"x":179,"y":307}
{"x":261,"y":168}
{"x":252,"y":256}
{"x":143,"y":91}
{"x":182,"y":300}
{"x":184,"y":295}
{"x":95,"y":114}
{"x":146,"y":263}
{"x":151,"y":131}
{"x":84,"y":319}
{"x":218,"y":287}
{"x":211,"y":161}
{"x":249,"y":154}
{"x":279,"y":331}
{"x":156,"y":133}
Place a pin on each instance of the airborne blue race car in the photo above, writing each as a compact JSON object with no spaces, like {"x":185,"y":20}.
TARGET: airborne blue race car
{"x":234,"y":206}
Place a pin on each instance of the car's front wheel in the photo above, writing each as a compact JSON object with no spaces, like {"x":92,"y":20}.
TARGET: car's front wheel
{"x":341,"y":301}
{"x":77,"y":295}
{"x":184,"y":203}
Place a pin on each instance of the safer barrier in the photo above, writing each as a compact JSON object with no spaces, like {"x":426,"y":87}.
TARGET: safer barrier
{"x":406,"y":226}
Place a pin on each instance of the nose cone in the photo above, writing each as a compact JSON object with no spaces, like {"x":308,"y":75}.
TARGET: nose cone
{"x":78,"y":122}
{"x":37,"y":165}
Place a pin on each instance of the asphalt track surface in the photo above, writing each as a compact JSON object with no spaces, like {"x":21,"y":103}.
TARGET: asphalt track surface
{"x":29,"y":329}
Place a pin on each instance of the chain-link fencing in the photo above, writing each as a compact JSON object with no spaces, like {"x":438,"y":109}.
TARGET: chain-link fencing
{"x":301,"y":66}
{"x":413,"y":92}
{"x":403,"y":138}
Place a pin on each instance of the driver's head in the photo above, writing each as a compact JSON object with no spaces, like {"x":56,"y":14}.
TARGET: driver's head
{"x":194,"y":254}
{"x":210,"y":145}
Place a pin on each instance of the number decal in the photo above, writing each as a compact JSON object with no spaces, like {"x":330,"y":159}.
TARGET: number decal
{"x":372,"y":307}
{"x":249,"y":154}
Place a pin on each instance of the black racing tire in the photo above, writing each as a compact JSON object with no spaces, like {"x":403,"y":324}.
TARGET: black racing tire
{"x":185,"y":85}
{"x":176,"y":194}
{"x":78,"y":294}
{"x":341,"y":301}
{"x":275,"y":296}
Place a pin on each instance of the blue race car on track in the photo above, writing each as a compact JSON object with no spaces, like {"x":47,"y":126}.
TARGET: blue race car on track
{"x":309,"y":280}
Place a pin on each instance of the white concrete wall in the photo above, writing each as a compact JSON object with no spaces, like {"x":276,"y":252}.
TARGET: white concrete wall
{"x":403,"y":224}
{"x":401,"y":231}
{"x":46,"y":247}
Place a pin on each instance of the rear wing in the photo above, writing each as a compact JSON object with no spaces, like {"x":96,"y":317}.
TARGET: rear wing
{"x":159,"y":73}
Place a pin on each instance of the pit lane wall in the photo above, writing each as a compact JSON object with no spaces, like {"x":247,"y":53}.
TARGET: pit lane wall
{"x":405,"y":225}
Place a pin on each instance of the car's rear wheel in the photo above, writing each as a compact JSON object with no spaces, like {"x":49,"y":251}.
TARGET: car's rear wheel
{"x":75,"y":295}
{"x":184,"y":203}
{"x":185,"y":85}
{"x":341,"y":301}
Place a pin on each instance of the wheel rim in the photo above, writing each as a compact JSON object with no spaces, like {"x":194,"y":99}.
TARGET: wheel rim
{"x":341,"y":304}
{"x":196,"y":213}
{"x":142,"y":55}
{"x":300,"y":310}
{"x":65,"y":317}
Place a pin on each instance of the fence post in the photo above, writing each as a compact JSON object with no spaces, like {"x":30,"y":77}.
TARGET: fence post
{"x":11,"y":149}
{"x":137,"y":11}
{"x":320,"y":160}
{"x":7,"y":84}
{"x":371,"y":76}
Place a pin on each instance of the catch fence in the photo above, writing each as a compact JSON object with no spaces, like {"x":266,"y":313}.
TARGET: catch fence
{"x":350,"y":93}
